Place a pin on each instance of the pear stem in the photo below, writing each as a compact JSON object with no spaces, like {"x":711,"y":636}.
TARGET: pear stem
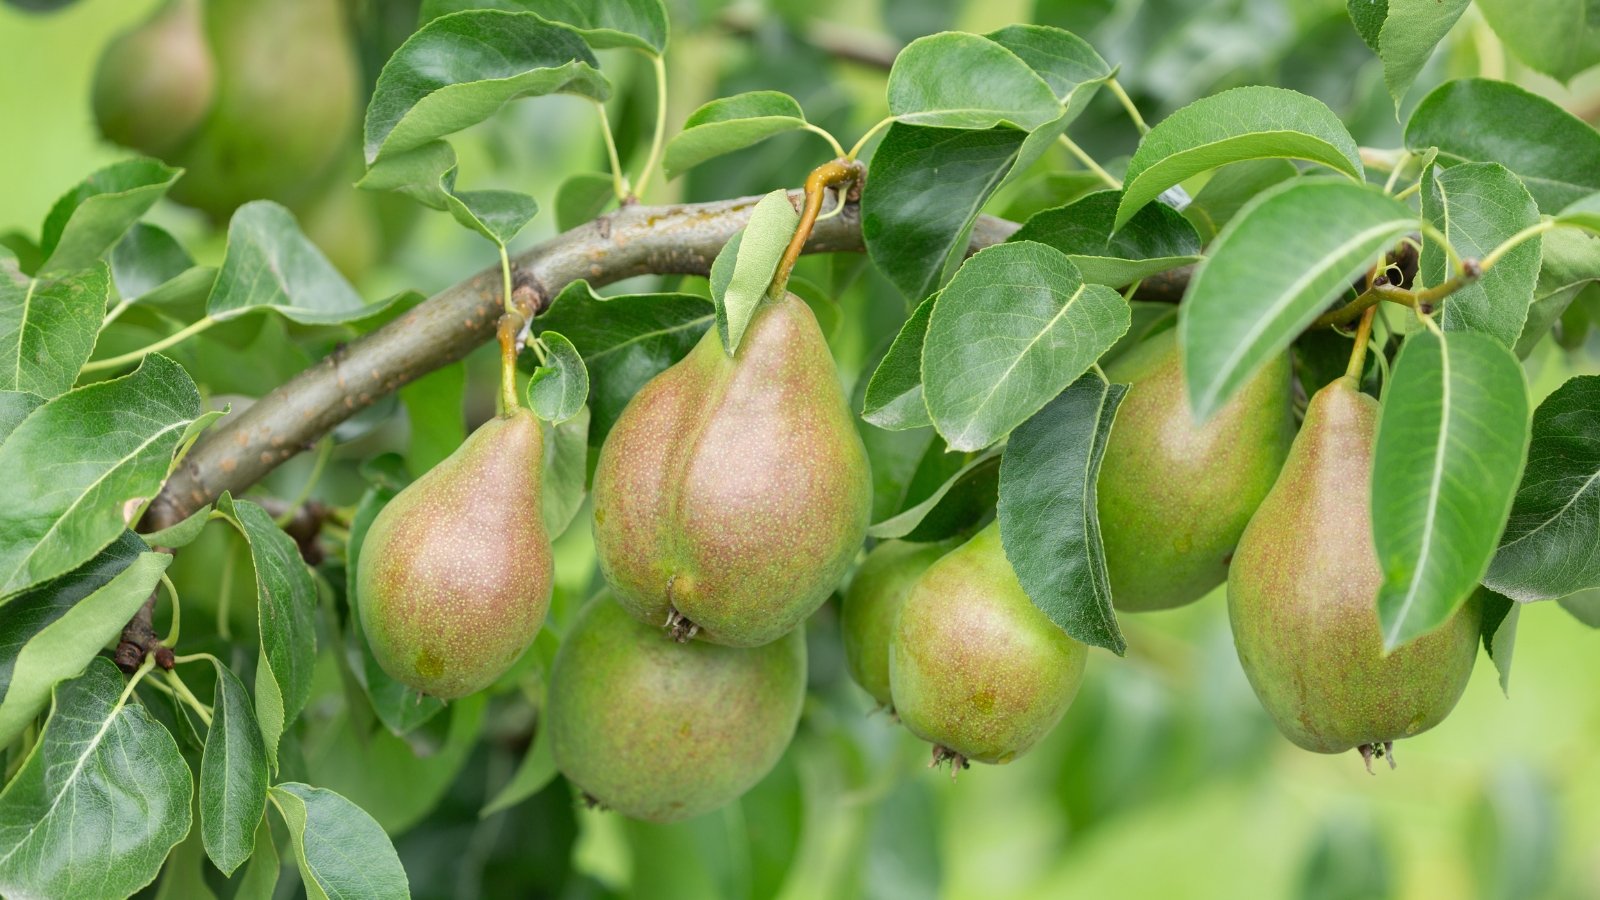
{"x":510,"y":327}
{"x":1358,"y":353}
{"x":829,"y":174}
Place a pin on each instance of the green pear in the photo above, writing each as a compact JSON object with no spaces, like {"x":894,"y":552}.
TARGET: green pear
{"x":974,"y":667}
{"x":1174,"y":496}
{"x":871,"y":604}
{"x":453,"y":579}
{"x":155,"y":82}
{"x":733,"y":492}
{"x":1301,"y":597}
{"x":662,"y":732}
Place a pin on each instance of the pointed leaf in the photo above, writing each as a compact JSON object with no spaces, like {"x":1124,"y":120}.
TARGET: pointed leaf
{"x":731,"y":123}
{"x":48,"y":327}
{"x":271,"y":264}
{"x":101,"y":800}
{"x":1499,"y":631}
{"x":1049,"y":522}
{"x":1452,"y":438}
{"x":89,"y":219}
{"x":1244,"y":123}
{"x":995,"y":88}
{"x":1271,"y":271}
{"x":233,"y":776}
{"x":1156,"y":239}
{"x":953,"y":506}
{"x":341,"y":851}
{"x":743,"y":271}
{"x":894,"y":395}
{"x":1477,"y":206}
{"x":558,"y":390}
{"x":1411,"y":29}
{"x":1368,"y":16}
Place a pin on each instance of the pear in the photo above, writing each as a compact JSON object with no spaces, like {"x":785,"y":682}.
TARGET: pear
{"x":974,"y":667}
{"x":1174,"y":496}
{"x":1301,"y":597}
{"x":155,"y":82}
{"x":872,"y":603}
{"x":453,"y":579}
{"x":662,"y":732}
{"x":733,"y":492}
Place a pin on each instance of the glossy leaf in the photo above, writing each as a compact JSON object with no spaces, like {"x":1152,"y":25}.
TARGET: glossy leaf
{"x":458,"y":70}
{"x":558,"y":389}
{"x":100,"y":801}
{"x":50,"y":632}
{"x":743,"y":271}
{"x":1066,"y":62}
{"x":1477,"y":206}
{"x":566,"y":465}
{"x":146,"y":258}
{"x":1014,"y":327}
{"x":582,"y":198}
{"x":731,"y":123}
{"x":1049,"y":522}
{"x":1274,"y":269}
{"x":1551,"y":544}
{"x":894,"y":395}
{"x":995,"y":88}
{"x":341,"y":851}
{"x":1452,"y":438}
{"x":271,"y":264}
{"x":1557,"y":37}
{"x":233,"y":776}
{"x":286,"y":600}
{"x":1245,"y":123}
{"x":1156,"y":239}
{"x":640,"y":24}
{"x":427,"y":174}
{"x":1556,"y":154}
{"x":48,"y":327}
{"x":89,"y":219}
{"x":952,"y":507}
{"x":1411,"y":29}
{"x":71,"y":505}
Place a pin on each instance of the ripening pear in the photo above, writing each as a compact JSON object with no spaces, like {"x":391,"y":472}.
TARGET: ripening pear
{"x":155,"y":82}
{"x":453,"y":579}
{"x":661,"y":731}
{"x":1174,"y":496}
{"x":733,"y":492}
{"x":974,"y":667}
{"x":872,"y":603}
{"x":1302,"y":591}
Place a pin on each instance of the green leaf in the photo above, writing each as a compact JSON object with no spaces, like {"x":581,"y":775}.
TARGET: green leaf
{"x":1272,"y":270}
{"x":582,"y":198}
{"x":89,"y":219}
{"x":72,"y":504}
{"x":1014,"y":327}
{"x":1477,"y":206}
{"x":14,"y":407}
{"x":1156,"y":239}
{"x":48,"y":327}
{"x":1368,"y":16}
{"x":260,"y":878}
{"x":731,"y":123}
{"x":101,"y":800}
{"x":233,"y":776}
{"x":286,"y":609}
{"x":640,"y":24}
{"x":1452,"y":438}
{"x":624,"y":341}
{"x":1557,"y":37}
{"x":1569,"y":262}
{"x":341,"y":851}
{"x":458,"y":70}
{"x":566,"y":463}
{"x":49,"y":633}
{"x":427,"y":175}
{"x":1049,"y":521}
{"x":1245,"y":123}
{"x":894,"y":395}
{"x":434,"y":413}
{"x":181,"y":534}
{"x":1584,"y":606}
{"x":953,"y":506}
{"x":1499,"y":632}
{"x":1556,"y":154}
{"x":1584,"y":213}
{"x":1411,"y":29}
{"x":743,"y":271}
{"x":558,"y":390}
{"x":1066,"y":62}
{"x":1231,"y":187}
{"x":995,"y":86}
{"x":146,"y":258}
{"x":537,"y":769}
{"x":271,"y":264}
{"x":1551,"y":545}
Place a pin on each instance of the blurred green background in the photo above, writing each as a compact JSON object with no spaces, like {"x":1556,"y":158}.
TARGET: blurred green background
{"x":1164,"y":780}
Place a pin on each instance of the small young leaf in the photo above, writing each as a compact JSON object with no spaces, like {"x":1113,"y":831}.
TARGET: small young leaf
{"x":1049,"y":522}
{"x":995,"y":87}
{"x":1274,"y":268}
{"x":582,"y":198}
{"x":101,"y":800}
{"x":639,"y":24}
{"x":731,"y":123}
{"x":1452,"y":438}
{"x":1499,"y":632}
{"x":1411,"y":29}
{"x":89,"y":219}
{"x":894,"y":395}
{"x":1244,"y":123}
{"x":1556,"y":154}
{"x":71,"y":505}
{"x":1477,"y":206}
{"x":954,"y":506}
{"x":271,"y":264}
{"x":558,"y":390}
{"x":1014,"y":327}
{"x":1551,"y":545}
{"x":233,"y":776}
{"x":427,"y":174}
{"x":743,"y":271}
{"x":1557,"y":37}
{"x":1156,"y":239}
{"x":341,"y":851}
{"x":48,"y":327}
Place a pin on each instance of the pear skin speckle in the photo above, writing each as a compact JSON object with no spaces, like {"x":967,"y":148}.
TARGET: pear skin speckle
{"x":872,"y":603}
